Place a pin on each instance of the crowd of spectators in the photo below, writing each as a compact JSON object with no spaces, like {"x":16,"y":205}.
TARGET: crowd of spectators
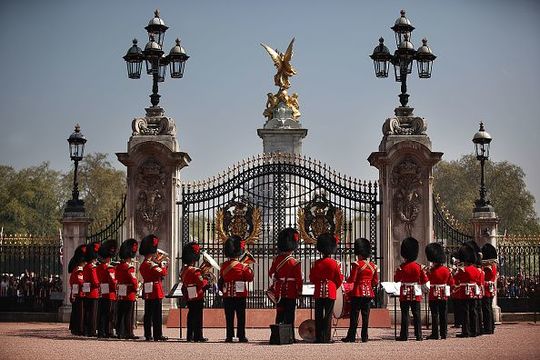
{"x":519,"y":286}
{"x":29,"y":292}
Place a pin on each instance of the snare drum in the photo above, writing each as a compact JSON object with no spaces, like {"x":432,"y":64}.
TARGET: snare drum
{"x":342,"y":306}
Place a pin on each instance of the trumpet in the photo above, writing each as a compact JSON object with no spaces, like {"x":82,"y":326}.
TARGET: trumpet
{"x":207,"y":267}
{"x":247,"y":258}
{"x":162,"y":256}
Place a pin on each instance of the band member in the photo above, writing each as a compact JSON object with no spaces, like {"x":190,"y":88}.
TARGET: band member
{"x":193,"y":286}
{"x":232,"y":282}
{"x":152,"y":270}
{"x":412,"y":276}
{"x":75,"y":268}
{"x":440,"y":280}
{"x":90,"y":289}
{"x":326,"y":275}
{"x":107,"y":284}
{"x":466,"y":280}
{"x":286,"y":275}
{"x":364,"y":277}
{"x":455,"y":296}
{"x":477,"y":327}
{"x":127,"y":289}
{"x":489,"y":260}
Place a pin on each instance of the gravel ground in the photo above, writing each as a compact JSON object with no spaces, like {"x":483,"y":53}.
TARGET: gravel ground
{"x":38,"y":341}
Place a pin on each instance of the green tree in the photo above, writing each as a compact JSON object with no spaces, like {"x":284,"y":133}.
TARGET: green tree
{"x":457,"y":182}
{"x":31,"y":201}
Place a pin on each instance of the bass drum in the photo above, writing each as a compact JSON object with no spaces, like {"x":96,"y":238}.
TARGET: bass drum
{"x":306,"y":330}
{"x":342,"y":306}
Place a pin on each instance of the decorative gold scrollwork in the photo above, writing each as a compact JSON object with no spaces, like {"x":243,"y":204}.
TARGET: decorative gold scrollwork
{"x":317,"y":217}
{"x":239,"y":218}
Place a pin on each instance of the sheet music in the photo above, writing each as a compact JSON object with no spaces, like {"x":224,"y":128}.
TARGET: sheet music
{"x":391,"y":288}
{"x":308,"y":289}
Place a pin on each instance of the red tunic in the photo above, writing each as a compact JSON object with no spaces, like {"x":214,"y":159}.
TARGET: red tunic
{"x":364,"y":278}
{"x":152,"y":273}
{"x":439,"y":277}
{"x":235,"y":275}
{"x":411,"y":275}
{"x":288,"y":278}
{"x":125,"y":275}
{"x":192,"y":276}
{"x":490,"y":280}
{"x":107,"y":275}
{"x":480,"y":283}
{"x":90,"y":277}
{"x":466,"y":280}
{"x":76,"y":277}
{"x":326,"y":275}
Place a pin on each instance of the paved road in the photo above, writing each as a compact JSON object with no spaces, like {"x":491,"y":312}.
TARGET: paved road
{"x":38,"y":341}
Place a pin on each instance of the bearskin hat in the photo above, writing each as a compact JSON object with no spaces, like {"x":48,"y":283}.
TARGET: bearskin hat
{"x":327,"y":244}
{"x":92,"y":251}
{"x":191,"y":252}
{"x":72,"y":264}
{"x":362,"y":247}
{"x":409,"y":249}
{"x":233,"y":246}
{"x":435,"y":253}
{"x":489,"y":252}
{"x":288,"y":240}
{"x":108,"y":249}
{"x":477,"y":251}
{"x":128,"y":249}
{"x":466,"y":254}
{"x":77,"y":258}
{"x":149,"y":245}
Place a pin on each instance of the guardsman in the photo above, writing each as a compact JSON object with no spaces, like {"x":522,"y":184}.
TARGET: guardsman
{"x":477,"y":328}
{"x":286,"y":275}
{"x":90,"y":289}
{"x":232,"y":283}
{"x":364,"y":278}
{"x":127,"y":289}
{"x":193,"y":286}
{"x":489,"y":261}
{"x":466,"y":283}
{"x":412,"y":277}
{"x":326,"y":275}
{"x":75,"y":268}
{"x":107,"y":284}
{"x":441,"y":281}
{"x":455,"y":296}
{"x":153,"y":269}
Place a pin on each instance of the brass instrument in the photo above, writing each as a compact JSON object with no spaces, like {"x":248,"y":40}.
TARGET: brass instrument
{"x":247,"y":258}
{"x":207,"y":268}
{"x":162,"y":256}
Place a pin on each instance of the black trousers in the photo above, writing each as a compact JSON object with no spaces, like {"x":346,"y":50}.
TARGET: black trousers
{"x":458,"y":312}
{"x":124,"y":319}
{"x":439,"y":318}
{"x":231,"y":306}
{"x":195,"y":320}
{"x":76,"y":319}
{"x":470,"y":318}
{"x":487,"y":311}
{"x":90,"y":316}
{"x":359,"y":305}
{"x":415,"y":308}
{"x":323,"y":319}
{"x":480,"y":319}
{"x":153,"y":318}
{"x":106,"y":311}
{"x":285,"y":311}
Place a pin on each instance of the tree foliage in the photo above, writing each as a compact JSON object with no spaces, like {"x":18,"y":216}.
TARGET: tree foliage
{"x":458,"y":181}
{"x":32,"y":199}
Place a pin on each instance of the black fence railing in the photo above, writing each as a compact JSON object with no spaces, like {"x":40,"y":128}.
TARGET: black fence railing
{"x":114,"y":229}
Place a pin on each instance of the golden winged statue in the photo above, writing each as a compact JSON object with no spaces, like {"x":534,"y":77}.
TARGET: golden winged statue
{"x":283,"y":65}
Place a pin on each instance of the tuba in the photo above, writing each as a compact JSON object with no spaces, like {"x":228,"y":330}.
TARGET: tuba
{"x":247,"y":258}
{"x":207,"y":267}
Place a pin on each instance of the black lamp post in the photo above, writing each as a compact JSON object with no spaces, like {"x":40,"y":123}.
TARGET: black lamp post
{"x":481,"y":141}
{"x":403,"y":57}
{"x":155,"y":59}
{"x":76,"y":152}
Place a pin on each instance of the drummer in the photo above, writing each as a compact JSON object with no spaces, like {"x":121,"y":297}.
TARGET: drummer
{"x":363,"y":278}
{"x":326,"y":276}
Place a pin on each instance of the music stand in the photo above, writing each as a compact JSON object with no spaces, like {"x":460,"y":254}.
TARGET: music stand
{"x":392,"y":289}
{"x":176,"y":293}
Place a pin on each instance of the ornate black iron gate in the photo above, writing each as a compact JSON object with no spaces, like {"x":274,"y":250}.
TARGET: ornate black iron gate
{"x":280,"y":187}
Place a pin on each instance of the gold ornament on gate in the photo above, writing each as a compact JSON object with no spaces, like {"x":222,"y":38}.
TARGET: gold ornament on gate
{"x":317,"y":217}
{"x":239,"y":218}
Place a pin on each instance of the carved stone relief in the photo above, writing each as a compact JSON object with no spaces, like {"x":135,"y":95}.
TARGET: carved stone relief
{"x":150,"y":203}
{"x":406,"y":180}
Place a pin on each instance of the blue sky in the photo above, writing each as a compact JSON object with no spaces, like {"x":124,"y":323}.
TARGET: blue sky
{"x":62,"y":64}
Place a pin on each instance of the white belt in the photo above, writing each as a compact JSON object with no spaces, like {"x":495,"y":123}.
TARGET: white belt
{"x":438,"y":285}
{"x":287,"y":279}
{"x":409,"y":284}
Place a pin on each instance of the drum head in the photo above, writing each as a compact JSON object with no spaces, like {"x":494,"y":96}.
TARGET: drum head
{"x":306,"y":330}
{"x":338,"y":304}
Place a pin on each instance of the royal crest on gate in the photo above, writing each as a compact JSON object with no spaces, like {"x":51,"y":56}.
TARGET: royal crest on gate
{"x":239,"y":218}
{"x":317,"y":217}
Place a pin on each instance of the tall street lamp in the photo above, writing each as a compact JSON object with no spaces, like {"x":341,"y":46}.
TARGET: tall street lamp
{"x":403,"y":57}
{"x":155,"y":60}
{"x":481,"y":141}
{"x":76,"y":152}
